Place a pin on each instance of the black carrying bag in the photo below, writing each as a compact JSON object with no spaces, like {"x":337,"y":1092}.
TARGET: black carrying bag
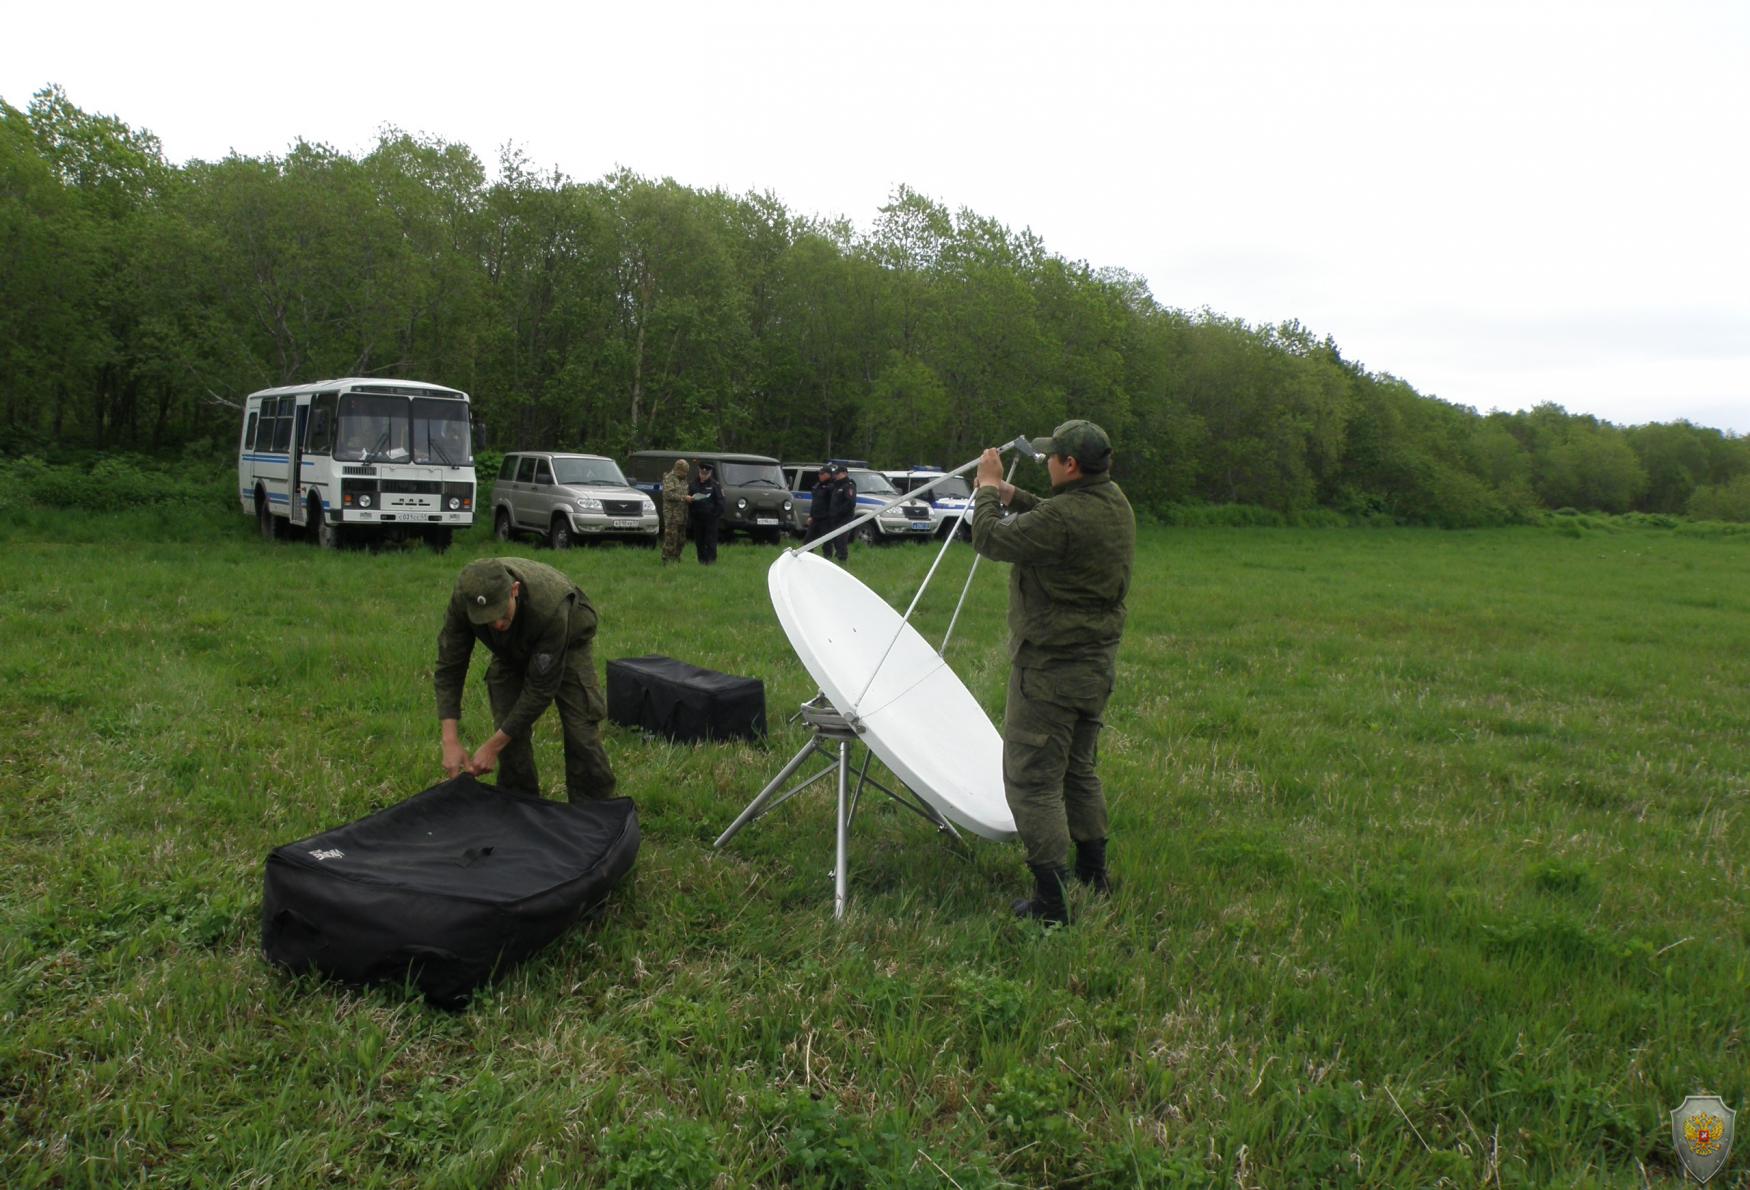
{"x":682,"y":702}
{"x":446,"y":889}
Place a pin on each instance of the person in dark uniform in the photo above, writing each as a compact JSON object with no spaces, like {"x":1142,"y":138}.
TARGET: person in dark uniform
{"x":708,"y":507}
{"x":540,"y":629}
{"x":1072,"y":556}
{"x":818,"y":511}
{"x":843,"y":510}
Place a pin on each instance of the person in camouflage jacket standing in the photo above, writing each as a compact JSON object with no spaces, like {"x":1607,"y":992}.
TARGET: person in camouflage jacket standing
{"x":676,"y":505}
{"x":1072,"y":555}
{"x":540,"y":629}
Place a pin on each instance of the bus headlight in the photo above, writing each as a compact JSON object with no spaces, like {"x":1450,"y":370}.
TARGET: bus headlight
{"x":455,"y":503}
{"x":365,"y":500}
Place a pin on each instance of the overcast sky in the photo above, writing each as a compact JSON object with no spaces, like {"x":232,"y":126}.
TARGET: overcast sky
{"x":1502,"y":203}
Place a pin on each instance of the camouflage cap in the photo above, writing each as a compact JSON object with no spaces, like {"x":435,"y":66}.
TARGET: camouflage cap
{"x":484,"y":586}
{"x":1081,"y":440}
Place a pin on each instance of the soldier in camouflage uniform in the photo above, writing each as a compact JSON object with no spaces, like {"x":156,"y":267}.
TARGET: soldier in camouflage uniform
{"x":540,"y":628}
{"x":676,"y":506}
{"x":1072,"y":556}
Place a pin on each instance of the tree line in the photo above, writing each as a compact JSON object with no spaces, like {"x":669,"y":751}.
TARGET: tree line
{"x":139,"y":300}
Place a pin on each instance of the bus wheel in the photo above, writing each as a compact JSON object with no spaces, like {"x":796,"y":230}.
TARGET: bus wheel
{"x":438,"y":540}
{"x":559,"y":534}
{"x":501,"y":525}
{"x":265,"y":521}
{"x":329,"y":537}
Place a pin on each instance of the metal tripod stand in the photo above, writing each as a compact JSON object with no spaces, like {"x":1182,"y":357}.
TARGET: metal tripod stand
{"x":829,"y":725}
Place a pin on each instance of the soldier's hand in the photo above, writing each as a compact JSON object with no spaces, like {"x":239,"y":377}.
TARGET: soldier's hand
{"x":486,"y":757}
{"x":990,"y":467}
{"x":455,"y":758}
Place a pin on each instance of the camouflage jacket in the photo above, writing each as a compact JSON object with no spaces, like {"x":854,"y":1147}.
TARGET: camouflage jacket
{"x":674,"y":494}
{"x":553,"y":618}
{"x":1072,"y":555}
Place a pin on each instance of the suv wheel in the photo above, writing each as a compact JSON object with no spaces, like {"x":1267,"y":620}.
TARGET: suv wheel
{"x":501,"y":525}
{"x":865,"y":533}
{"x":559,"y":533}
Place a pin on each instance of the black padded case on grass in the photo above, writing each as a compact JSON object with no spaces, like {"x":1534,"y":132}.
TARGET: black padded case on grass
{"x":683,"y":702}
{"x":444,"y":889}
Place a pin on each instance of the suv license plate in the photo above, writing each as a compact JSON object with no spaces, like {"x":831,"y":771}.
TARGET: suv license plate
{"x":765,"y":520}
{"x":625,"y":523}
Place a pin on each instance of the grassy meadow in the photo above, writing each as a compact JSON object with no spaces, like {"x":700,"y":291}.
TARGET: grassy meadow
{"x":1431,"y":846}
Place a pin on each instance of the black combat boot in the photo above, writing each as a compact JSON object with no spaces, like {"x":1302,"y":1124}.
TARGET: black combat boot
{"x":1091,"y":866}
{"x":1047,"y":904}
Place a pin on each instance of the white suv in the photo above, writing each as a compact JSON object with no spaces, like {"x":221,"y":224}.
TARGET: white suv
{"x":564,"y":497}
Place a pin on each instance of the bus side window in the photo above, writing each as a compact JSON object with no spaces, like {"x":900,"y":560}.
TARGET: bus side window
{"x":264,"y":431}
{"x":249,"y":430}
{"x":319,"y":435}
{"x":282,"y":425}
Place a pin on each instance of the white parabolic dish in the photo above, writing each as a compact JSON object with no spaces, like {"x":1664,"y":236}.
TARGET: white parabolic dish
{"x":918,"y":716}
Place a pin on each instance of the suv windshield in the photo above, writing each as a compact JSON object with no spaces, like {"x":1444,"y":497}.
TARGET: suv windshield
{"x":871,"y":483}
{"x":601,"y":473}
{"x":954,"y":487}
{"x":751,"y":475}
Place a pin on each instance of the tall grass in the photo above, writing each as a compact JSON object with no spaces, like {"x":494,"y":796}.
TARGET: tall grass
{"x":1430,"y":848}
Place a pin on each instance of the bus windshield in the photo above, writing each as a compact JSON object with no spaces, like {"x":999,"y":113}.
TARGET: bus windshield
{"x":601,"y":473}
{"x":373,"y":429}
{"x":440,"y":432}
{"x":376,"y":428}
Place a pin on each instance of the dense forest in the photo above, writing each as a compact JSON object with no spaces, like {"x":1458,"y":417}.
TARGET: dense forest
{"x":139,"y":300}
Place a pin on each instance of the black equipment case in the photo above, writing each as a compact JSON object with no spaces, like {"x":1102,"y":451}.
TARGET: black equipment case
{"x":445,"y":889}
{"x":683,"y":702}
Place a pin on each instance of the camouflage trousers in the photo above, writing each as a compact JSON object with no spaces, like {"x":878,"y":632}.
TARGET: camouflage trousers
{"x":674,"y":533}
{"x":1049,"y":753}
{"x":581,"y":709}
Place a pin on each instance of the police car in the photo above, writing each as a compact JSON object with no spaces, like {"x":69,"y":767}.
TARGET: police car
{"x":910,"y":518}
{"x":947,"y":500}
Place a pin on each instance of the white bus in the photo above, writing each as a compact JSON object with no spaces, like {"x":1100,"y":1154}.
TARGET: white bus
{"x":357,"y":458}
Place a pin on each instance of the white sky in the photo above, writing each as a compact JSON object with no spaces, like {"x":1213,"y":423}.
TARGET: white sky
{"x":1500,"y":201}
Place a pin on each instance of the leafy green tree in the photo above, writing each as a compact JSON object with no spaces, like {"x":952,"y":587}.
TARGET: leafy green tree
{"x":1728,"y":501}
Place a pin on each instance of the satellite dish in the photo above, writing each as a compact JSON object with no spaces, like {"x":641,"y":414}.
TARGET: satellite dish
{"x":911,"y":709}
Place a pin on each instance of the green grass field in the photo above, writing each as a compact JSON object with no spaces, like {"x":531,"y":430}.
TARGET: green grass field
{"x":1432,"y":850}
